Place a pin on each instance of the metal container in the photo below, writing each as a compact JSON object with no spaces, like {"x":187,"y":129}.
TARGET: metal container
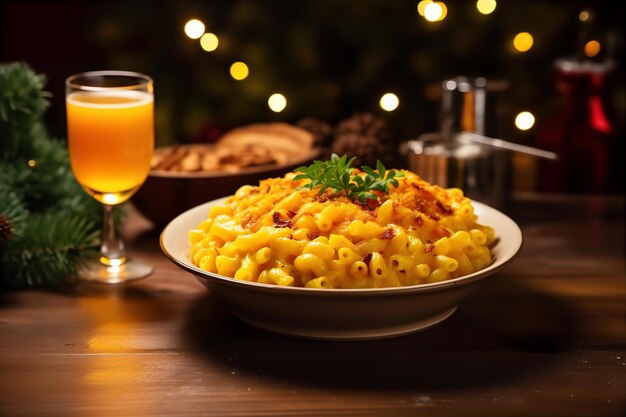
{"x":446,"y":159}
{"x":482,"y":172}
{"x":473,"y":105}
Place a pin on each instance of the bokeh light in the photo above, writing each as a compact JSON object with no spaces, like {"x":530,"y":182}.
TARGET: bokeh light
{"x":486,"y":6}
{"x":239,"y":71}
{"x":435,"y":12}
{"x":444,"y":10}
{"x":209,"y":42}
{"x":584,"y":16}
{"x":277,"y":102}
{"x":389,"y":102}
{"x":524,"y":120}
{"x":422,"y":5}
{"x":523,"y":41}
{"x":194,"y":28}
{"x":592,"y":48}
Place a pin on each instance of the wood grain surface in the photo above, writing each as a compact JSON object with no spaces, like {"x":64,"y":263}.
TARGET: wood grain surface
{"x":545,"y":337}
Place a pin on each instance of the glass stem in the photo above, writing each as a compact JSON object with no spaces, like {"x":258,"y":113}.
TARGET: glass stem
{"x":112,"y":251}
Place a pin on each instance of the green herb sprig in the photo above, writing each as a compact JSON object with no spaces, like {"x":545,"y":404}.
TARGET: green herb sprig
{"x":338,"y":175}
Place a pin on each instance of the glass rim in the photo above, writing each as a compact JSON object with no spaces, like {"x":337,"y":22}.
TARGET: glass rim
{"x":142,"y":79}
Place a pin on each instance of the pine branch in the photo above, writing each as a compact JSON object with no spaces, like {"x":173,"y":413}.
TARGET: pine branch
{"x":22,"y":104}
{"x":47,"y":183}
{"x":51,"y":251}
{"x":51,"y":225}
{"x":12,"y":210}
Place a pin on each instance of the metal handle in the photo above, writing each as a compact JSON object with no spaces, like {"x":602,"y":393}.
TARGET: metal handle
{"x":503,"y":144}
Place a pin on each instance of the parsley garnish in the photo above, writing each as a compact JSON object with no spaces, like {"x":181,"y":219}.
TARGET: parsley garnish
{"x":338,"y":175}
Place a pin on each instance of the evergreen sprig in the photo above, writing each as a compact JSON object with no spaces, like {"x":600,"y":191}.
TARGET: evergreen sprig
{"x":337,"y":174}
{"x":22,"y":105}
{"x":54,"y":224}
{"x":50,"y":251}
{"x":12,"y":210}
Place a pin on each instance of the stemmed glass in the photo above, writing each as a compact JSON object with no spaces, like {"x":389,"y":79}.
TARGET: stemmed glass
{"x":110,"y":123}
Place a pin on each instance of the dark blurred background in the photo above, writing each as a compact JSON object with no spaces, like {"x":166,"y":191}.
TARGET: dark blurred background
{"x":330,"y":59}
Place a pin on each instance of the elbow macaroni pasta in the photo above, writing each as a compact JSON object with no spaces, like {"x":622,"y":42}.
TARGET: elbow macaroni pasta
{"x":279,"y":233}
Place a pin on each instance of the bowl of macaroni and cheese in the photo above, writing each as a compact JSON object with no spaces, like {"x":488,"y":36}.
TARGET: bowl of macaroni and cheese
{"x":325,"y":265}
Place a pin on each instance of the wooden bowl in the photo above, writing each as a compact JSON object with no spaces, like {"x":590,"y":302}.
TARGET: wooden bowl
{"x":165,"y":194}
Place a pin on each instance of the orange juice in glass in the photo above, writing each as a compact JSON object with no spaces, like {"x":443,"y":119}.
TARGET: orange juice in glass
{"x":110,"y":125}
{"x":111,"y":139}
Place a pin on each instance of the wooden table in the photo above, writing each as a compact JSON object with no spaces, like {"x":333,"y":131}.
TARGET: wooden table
{"x":545,"y":337}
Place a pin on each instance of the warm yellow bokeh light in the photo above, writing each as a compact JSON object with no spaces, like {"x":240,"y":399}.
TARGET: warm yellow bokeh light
{"x":435,"y":12}
{"x":209,"y":42}
{"x":524,"y":120}
{"x":389,"y":102}
{"x":444,"y":10}
{"x":277,"y":102}
{"x":523,"y":41}
{"x":239,"y":71}
{"x":592,"y":48}
{"x":584,"y":16}
{"x":194,"y":28}
{"x":486,"y":6}
{"x":422,"y":5}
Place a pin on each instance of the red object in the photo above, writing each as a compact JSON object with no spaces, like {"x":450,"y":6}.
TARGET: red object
{"x":583,"y":132}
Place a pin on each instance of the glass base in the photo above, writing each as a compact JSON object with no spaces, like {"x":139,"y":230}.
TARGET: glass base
{"x":96,"y":271}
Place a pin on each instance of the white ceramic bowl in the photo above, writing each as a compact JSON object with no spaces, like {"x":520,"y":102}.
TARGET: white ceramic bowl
{"x":341,"y":314}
